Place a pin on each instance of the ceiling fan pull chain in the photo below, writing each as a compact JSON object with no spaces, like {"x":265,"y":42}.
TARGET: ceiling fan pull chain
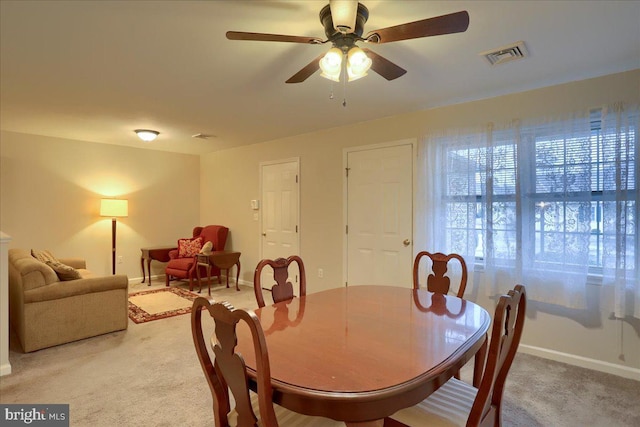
{"x":345,"y":77}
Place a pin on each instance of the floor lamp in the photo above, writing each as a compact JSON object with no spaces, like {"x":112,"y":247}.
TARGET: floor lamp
{"x":114,"y":208}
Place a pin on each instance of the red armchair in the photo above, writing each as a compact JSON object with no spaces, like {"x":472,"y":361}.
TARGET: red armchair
{"x":185,"y":268}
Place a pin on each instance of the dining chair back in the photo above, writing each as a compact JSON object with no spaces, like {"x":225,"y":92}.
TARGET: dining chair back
{"x":282,"y":290}
{"x":437,"y":281}
{"x":458,"y":403}
{"x":228,"y":371}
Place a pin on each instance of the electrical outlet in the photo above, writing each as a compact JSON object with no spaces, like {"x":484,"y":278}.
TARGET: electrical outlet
{"x":320,"y":273}
{"x":119,"y":259}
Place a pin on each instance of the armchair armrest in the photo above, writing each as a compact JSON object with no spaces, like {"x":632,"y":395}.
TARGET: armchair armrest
{"x":173,"y":254}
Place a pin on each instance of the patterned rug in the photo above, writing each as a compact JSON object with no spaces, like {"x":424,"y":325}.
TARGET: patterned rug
{"x":157,"y":304}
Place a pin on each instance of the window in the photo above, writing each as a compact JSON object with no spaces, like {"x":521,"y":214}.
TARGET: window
{"x":556,"y":209}
{"x":550,"y":204}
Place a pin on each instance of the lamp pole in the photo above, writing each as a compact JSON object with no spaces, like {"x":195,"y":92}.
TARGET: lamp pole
{"x":113,"y":245}
{"x":114,"y":208}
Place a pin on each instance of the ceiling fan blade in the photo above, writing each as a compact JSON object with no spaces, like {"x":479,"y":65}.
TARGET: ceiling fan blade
{"x":306,"y":71}
{"x":263,"y":37}
{"x":383,"y":66}
{"x":457,"y":22}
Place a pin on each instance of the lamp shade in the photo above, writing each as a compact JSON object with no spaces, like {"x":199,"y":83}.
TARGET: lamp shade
{"x":357,"y":63}
{"x":331,"y":64}
{"x":343,"y":15}
{"x":114,"y":207}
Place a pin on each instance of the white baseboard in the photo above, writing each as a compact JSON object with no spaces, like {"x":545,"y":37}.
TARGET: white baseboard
{"x":138,"y":280}
{"x":161,"y":278}
{"x":583,"y":362}
{"x":5,"y":369}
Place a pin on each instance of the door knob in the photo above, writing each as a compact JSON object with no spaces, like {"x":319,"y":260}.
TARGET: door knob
{"x":264,"y":234}
{"x":406,"y":242}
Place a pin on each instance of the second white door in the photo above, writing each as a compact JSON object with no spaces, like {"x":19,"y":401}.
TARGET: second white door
{"x":379,"y":216}
{"x":280,"y":211}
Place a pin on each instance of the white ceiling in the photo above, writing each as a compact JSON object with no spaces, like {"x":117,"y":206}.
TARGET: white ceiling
{"x":96,"y":70}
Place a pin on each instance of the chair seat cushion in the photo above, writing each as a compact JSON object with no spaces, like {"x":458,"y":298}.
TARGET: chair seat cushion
{"x":448,"y":406}
{"x":287,"y":418}
{"x":184,"y":264}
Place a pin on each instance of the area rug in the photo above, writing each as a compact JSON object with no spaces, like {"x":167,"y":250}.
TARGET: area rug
{"x":158,"y":304}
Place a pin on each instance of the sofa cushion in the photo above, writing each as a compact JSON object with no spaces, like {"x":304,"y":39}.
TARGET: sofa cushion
{"x":43,"y":256}
{"x":189,"y":247}
{"x":64,"y":271}
{"x":75,"y":288}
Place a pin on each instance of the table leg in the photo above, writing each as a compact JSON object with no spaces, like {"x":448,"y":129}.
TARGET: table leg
{"x":237,"y":274}
{"x":149,"y":270}
{"x":142,"y":267}
{"x":198,"y":276}
{"x":209,"y":278}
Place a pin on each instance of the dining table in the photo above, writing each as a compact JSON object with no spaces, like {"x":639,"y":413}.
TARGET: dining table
{"x":359,"y":354}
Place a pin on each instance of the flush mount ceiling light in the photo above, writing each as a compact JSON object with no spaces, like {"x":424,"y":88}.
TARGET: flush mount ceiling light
{"x":147,"y":135}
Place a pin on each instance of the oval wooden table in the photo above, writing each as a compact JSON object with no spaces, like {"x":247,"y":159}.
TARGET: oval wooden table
{"x":361,"y":353}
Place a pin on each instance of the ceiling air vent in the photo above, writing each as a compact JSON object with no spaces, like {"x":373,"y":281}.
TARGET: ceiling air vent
{"x":202,"y":136}
{"x":506,"y":53}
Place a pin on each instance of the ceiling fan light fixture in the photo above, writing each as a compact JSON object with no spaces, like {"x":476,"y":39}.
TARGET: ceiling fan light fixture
{"x":331,"y":64}
{"x":147,"y":135}
{"x":358,"y":63}
{"x":343,"y":14}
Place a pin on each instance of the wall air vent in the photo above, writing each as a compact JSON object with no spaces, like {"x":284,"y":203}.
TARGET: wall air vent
{"x":506,"y":53}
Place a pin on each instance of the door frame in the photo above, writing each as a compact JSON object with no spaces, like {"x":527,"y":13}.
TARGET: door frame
{"x":261,"y":165}
{"x":345,"y":153}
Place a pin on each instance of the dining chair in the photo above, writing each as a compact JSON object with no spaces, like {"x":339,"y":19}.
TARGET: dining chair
{"x":228,"y":371}
{"x":457,"y":403}
{"x":282,"y":290}
{"x":437,"y":281}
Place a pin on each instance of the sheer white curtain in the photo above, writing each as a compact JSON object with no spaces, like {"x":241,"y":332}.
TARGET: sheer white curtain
{"x":621,"y":250}
{"x":528,"y":202}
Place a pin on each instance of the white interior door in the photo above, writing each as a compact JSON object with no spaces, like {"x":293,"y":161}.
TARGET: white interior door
{"x":379,"y":216}
{"x":280,"y":213}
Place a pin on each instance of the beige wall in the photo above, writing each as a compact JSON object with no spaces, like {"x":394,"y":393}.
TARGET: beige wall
{"x":51,"y":189}
{"x":550,"y":331}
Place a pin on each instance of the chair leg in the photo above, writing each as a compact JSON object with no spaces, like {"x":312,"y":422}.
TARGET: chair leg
{"x":478,"y":364}
{"x":167,"y":278}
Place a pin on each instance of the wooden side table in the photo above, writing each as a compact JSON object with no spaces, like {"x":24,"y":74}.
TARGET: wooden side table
{"x":158,"y":253}
{"x":224,"y":260}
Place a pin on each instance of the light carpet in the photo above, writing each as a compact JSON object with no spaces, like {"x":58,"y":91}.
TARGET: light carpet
{"x":149,"y":375}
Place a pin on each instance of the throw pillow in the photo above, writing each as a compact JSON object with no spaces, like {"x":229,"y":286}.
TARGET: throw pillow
{"x":189,"y":247}
{"x":207,"y":248}
{"x":43,"y":256}
{"x":64,"y":272}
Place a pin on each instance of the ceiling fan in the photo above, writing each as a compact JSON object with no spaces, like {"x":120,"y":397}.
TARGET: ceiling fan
{"x":343,"y":22}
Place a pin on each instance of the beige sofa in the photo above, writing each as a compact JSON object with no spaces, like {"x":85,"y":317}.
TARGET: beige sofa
{"x":45,"y":311}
